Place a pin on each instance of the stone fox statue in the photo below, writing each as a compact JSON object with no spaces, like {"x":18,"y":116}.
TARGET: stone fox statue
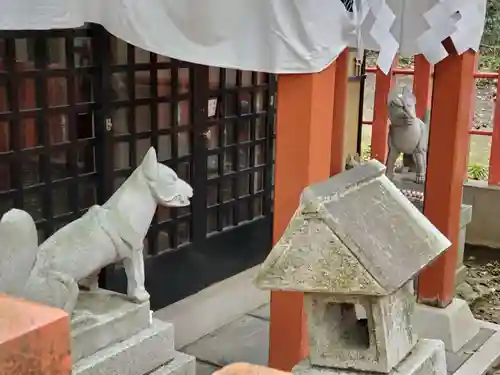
{"x":407,"y":134}
{"x":50,"y":273}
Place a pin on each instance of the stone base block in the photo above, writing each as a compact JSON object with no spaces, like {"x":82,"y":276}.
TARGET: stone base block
{"x":181,"y":364}
{"x":427,"y":358}
{"x":485,"y":356}
{"x":34,"y":339}
{"x":454,"y":325}
{"x":103,"y":318}
{"x":140,"y":354}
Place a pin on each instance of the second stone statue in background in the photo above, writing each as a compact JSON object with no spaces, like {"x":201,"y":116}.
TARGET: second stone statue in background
{"x":407,"y":134}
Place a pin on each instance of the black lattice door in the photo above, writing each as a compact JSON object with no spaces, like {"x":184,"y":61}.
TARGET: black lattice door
{"x":51,"y":150}
{"x":80,"y":108}
{"x":214,"y":127}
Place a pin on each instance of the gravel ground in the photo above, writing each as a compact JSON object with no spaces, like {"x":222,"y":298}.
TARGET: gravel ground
{"x":482,"y":288}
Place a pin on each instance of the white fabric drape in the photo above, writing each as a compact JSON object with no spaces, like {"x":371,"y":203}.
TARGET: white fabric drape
{"x":276,"y":36}
{"x":419,"y":26}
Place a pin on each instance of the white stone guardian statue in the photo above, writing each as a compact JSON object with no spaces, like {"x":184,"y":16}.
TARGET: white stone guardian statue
{"x":407,"y":133}
{"x":104,"y":235}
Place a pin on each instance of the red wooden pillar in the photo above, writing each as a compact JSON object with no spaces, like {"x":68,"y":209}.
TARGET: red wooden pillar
{"x":494,"y":177}
{"x":337,"y":158}
{"x":447,"y":160}
{"x":303,"y":146}
{"x":422,"y":85}
{"x":380,"y":127}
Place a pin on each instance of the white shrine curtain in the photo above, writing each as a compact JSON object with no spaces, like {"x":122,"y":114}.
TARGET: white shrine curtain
{"x":276,"y":36}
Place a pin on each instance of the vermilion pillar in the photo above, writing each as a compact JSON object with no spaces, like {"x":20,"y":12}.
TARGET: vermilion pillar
{"x":447,"y":160}
{"x":337,"y":158}
{"x":422,"y":86}
{"x":380,"y":126}
{"x":303,"y":147}
{"x":494,"y":177}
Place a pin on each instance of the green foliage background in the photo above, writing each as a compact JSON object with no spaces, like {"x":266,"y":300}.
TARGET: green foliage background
{"x":490,"y":44}
{"x":492,"y":26}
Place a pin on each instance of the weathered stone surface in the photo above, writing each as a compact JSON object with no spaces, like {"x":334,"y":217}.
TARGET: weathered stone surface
{"x":355,"y":241}
{"x":454,"y":325}
{"x":404,"y":181}
{"x":455,"y":360}
{"x":465,"y":219}
{"x":140,"y":354}
{"x":243,"y":340}
{"x":388,"y":235}
{"x":338,"y":338}
{"x":102,"y":318}
{"x":181,"y":364}
{"x":312,"y":258}
{"x":34,"y":339}
{"x":427,"y":358}
{"x":360,"y":221}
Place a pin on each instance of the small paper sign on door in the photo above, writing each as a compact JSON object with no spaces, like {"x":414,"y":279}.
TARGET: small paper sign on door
{"x":212,"y":107}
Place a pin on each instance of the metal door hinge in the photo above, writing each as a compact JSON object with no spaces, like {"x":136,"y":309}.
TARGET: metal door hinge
{"x":109,"y":124}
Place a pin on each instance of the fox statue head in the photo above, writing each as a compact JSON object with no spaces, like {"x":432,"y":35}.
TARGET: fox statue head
{"x":401,"y":106}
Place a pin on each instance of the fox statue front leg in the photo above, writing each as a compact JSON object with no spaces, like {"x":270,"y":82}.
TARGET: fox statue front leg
{"x":392,"y":157}
{"x":134,"y":269}
{"x":420,"y":158}
{"x":420,"y":153}
{"x":91,"y":282}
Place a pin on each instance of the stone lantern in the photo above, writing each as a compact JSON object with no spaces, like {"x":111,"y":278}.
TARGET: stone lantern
{"x":355,"y":240}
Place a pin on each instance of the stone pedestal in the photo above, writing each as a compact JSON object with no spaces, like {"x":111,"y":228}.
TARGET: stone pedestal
{"x":104,"y":318}
{"x":454,"y":325}
{"x":427,"y":358}
{"x":113,"y":336}
{"x":465,"y":219}
{"x":406,"y":181}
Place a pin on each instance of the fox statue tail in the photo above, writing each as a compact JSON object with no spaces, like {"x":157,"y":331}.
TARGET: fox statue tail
{"x":18,"y":250}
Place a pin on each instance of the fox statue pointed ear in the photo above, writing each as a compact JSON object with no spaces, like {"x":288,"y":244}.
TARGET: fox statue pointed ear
{"x":150,"y":165}
{"x":408,"y":97}
{"x":393,"y":96}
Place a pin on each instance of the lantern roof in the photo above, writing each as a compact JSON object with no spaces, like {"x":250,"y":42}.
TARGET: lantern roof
{"x":353,"y":234}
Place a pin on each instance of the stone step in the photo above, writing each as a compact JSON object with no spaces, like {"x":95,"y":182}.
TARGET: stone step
{"x":140,"y":354}
{"x":103,"y":318}
{"x":181,"y":364}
